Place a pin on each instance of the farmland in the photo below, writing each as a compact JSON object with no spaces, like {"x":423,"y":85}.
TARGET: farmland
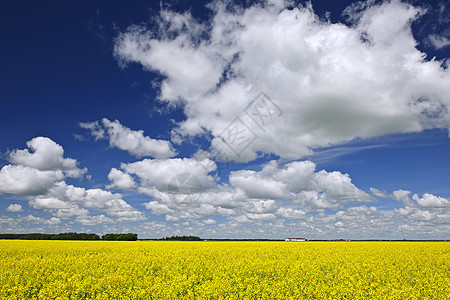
{"x":224,"y":270}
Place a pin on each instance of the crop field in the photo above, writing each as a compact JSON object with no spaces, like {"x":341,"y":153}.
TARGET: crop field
{"x":224,"y":270}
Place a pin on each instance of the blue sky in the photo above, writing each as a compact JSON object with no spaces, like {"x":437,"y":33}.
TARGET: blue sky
{"x":256,"y":119}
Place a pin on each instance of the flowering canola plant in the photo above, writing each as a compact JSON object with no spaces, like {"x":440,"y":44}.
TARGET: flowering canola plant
{"x":224,"y":270}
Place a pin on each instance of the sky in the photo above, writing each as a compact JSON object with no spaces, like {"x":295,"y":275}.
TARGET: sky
{"x":235,"y":119}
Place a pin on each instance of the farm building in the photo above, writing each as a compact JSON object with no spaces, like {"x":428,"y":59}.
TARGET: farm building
{"x":296,"y":239}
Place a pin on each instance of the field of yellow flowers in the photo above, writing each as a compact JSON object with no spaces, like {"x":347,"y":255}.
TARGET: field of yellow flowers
{"x":224,"y":270}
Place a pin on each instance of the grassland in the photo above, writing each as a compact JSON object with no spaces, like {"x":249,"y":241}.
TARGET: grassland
{"x":224,"y":270}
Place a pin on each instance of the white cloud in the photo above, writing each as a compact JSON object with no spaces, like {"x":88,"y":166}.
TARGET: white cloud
{"x":255,"y":185}
{"x":290,"y":213}
{"x":14,"y":208}
{"x":430,"y":200}
{"x":430,"y":209}
{"x":225,"y":211}
{"x":439,"y":42}
{"x":46,"y":155}
{"x":158,"y":208}
{"x":338,"y":186}
{"x":163,"y":174}
{"x":262,"y":207}
{"x":224,"y":198}
{"x":20,"y":180}
{"x":70,"y":212}
{"x":439,"y":30}
{"x":94,"y":220}
{"x":262,"y":217}
{"x":402,"y":196}
{"x":67,"y":201}
{"x":129,"y":140}
{"x":38,"y":220}
{"x":289,"y":191}
{"x":96,"y":129}
{"x":35,"y":172}
{"x":299,"y":181}
{"x":377,"y":193}
{"x":315,"y":200}
{"x":43,"y":202}
{"x":209,"y":221}
{"x":333,"y":82}
{"x":54,"y":221}
{"x":120,"y":180}
{"x":206,"y":209}
{"x":172,"y":218}
{"x":191,"y":71}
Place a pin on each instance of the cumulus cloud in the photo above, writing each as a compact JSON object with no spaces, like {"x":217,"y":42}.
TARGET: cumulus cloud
{"x":430,"y":200}
{"x":41,"y":173}
{"x":288,"y":190}
{"x":429,"y":208}
{"x":129,"y":140}
{"x":290,"y":213}
{"x":323,"y":84}
{"x":262,"y":207}
{"x":261,"y":217}
{"x":38,"y":220}
{"x":50,"y":203}
{"x":120,"y":180}
{"x":332,"y":82}
{"x":94,"y":220}
{"x":21,"y":180}
{"x":14,"y":208}
{"x":35,"y":172}
{"x":67,"y":201}
{"x":298,"y":181}
{"x":165,"y":174}
{"x":256,"y":185}
{"x":402,"y":196}
{"x":158,"y":208}
{"x":46,"y":155}
{"x":209,"y":221}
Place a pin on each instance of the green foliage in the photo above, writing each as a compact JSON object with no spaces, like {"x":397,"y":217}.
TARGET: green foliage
{"x":120,"y":237}
{"x":182,"y":238}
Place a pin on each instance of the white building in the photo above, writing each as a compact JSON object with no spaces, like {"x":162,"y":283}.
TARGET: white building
{"x":296,"y":239}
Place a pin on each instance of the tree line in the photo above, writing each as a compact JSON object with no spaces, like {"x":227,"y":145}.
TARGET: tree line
{"x":70,"y":236}
{"x":120,"y":237}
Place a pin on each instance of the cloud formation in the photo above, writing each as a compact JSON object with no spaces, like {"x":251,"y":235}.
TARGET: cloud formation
{"x":279,"y":199}
{"x":293,"y":83}
{"x":20,"y":180}
{"x":185,"y":189}
{"x":46,"y":155}
{"x":120,"y":180}
{"x":41,"y":175}
{"x":68,"y":201}
{"x":33,"y":173}
{"x":129,"y":140}
{"x":333,"y":82}
{"x":14,"y":208}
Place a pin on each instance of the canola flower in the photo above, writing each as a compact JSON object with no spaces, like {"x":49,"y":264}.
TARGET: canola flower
{"x":224,"y":270}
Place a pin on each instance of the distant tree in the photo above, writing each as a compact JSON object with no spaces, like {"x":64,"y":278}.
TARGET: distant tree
{"x":120,"y":237}
{"x":182,"y":238}
{"x":109,"y":237}
{"x":76,"y":236}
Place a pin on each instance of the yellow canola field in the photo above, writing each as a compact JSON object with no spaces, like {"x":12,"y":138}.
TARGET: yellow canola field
{"x":224,"y":270}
